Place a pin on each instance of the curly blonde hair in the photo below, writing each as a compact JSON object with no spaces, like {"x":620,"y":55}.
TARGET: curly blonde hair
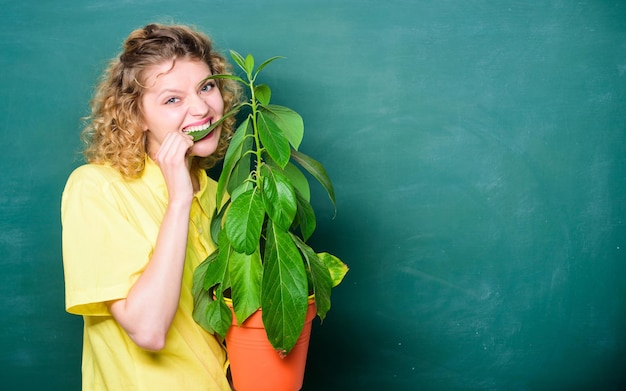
{"x":113,"y":133}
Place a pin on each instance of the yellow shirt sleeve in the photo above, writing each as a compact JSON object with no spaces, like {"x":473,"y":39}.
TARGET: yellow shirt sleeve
{"x":104,"y":251}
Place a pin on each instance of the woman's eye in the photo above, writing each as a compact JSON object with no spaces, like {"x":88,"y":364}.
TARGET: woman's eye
{"x":208,"y":86}
{"x":171,"y":101}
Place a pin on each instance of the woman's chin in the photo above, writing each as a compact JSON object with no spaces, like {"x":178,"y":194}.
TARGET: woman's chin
{"x":206,"y":146}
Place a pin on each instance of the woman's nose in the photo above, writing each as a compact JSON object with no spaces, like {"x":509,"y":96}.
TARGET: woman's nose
{"x":198,"y":106}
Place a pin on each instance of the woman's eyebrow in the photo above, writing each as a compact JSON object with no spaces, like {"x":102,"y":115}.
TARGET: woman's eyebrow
{"x":168,"y":91}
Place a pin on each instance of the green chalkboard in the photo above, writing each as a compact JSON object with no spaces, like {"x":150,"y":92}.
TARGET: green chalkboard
{"x":478,"y":152}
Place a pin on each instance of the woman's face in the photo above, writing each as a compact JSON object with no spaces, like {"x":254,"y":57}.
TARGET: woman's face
{"x":178,"y":100}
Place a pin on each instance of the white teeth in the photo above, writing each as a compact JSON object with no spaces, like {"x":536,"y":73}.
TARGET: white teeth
{"x":197,"y":128}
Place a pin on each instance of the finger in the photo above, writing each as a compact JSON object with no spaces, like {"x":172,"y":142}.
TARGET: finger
{"x":174,"y":147}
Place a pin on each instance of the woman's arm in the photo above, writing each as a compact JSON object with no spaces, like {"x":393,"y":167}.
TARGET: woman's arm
{"x":148,"y":311}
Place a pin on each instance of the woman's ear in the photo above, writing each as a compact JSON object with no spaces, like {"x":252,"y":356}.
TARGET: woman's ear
{"x":144,"y":124}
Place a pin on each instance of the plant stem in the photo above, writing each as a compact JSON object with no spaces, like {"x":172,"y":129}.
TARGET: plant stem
{"x":257,"y":150}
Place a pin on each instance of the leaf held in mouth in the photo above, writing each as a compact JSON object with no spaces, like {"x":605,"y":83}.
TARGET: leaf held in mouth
{"x":200,"y":134}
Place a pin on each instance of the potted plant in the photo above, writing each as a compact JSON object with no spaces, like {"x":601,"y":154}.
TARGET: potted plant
{"x":262,"y":266}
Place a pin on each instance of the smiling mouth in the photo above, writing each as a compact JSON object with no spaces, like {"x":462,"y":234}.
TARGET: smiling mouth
{"x":199,"y":131}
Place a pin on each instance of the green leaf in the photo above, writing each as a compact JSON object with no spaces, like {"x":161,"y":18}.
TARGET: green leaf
{"x":305,"y":216}
{"x":217,"y":264}
{"x":244,"y":221}
{"x":336,"y":267}
{"x":284,"y":290}
{"x":240,"y":178}
{"x":320,"y":277}
{"x":199,"y":275}
{"x":263,"y":93}
{"x":264,"y":64}
{"x":249,"y":64}
{"x":234,"y":154}
{"x":241,"y":172}
{"x":298,"y":180}
{"x":239,"y":60}
{"x":318,"y":171}
{"x":295,"y":176}
{"x":216,"y":221}
{"x":244,"y":187}
{"x":279,"y":197}
{"x":273,"y":140}
{"x":246,"y":272}
{"x":219,"y":316}
{"x":201,"y":298}
{"x":288,"y":121}
{"x":212,"y":276}
{"x":225,"y":76}
{"x":200,"y":309}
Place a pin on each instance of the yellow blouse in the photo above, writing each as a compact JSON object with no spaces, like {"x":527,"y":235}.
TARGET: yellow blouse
{"x":110,"y":226}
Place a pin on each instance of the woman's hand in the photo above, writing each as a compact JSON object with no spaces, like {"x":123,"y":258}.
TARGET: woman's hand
{"x":174,"y":160}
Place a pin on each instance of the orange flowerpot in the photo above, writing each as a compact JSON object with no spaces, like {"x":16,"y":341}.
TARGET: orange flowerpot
{"x":256,"y":366}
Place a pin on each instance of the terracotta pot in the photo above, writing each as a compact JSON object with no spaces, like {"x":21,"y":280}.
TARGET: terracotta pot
{"x":256,"y":366}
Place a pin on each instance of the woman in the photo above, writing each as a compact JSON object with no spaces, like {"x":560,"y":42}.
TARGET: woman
{"x":136,"y":217}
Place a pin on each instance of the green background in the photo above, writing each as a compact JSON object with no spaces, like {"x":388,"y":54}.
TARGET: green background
{"x":478,"y":154}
